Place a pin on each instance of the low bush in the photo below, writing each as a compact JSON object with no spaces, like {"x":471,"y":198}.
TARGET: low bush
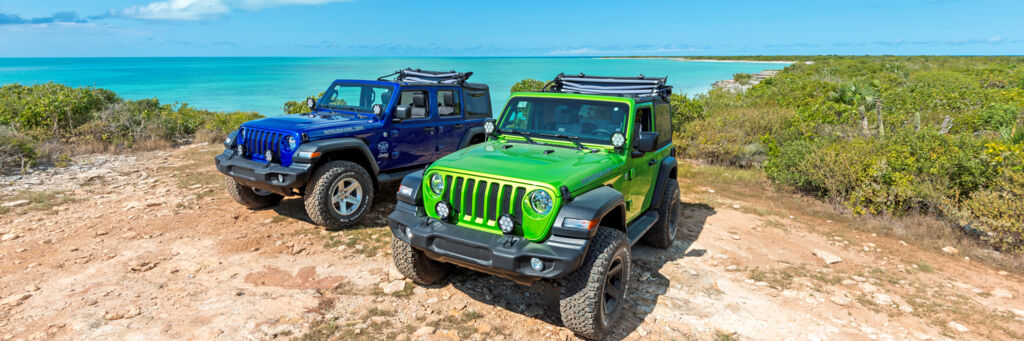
{"x":49,"y":122}
{"x":881,"y":135}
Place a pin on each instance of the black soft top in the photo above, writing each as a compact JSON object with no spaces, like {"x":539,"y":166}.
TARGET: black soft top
{"x":425,"y":77}
{"x":639,"y":86}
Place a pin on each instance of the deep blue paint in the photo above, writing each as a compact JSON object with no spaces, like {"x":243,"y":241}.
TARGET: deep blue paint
{"x":410,"y":143}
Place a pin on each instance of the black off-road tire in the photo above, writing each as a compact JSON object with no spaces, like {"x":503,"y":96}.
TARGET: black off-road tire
{"x":582,"y":301}
{"x":248,"y":197}
{"x":663,"y":233}
{"x":317,"y":199}
{"x":415,"y":265}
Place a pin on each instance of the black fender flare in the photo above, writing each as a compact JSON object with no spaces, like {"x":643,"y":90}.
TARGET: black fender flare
{"x":336,"y":144}
{"x":667,"y":167}
{"x":413,"y":181}
{"x":591,"y":205}
{"x":468,"y":136}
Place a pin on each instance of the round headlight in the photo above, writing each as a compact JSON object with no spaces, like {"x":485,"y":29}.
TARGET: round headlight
{"x":436,"y":183}
{"x":290,"y":142}
{"x":269,"y":155}
{"x":540,"y":201}
{"x":489,"y":127}
{"x":241,"y":150}
{"x":618,"y":139}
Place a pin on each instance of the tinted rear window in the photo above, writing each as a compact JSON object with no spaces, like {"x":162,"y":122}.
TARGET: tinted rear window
{"x":478,"y":102}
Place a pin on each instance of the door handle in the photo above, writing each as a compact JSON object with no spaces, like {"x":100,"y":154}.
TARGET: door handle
{"x":651,"y":162}
{"x":429,"y":129}
{"x":458,"y":126}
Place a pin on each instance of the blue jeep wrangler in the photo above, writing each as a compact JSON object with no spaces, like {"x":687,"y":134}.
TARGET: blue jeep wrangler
{"x":359,"y":135}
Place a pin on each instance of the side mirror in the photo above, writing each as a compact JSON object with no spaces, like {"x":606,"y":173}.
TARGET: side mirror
{"x":310,"y":103}
{"x":647,"y":141}
{"x":401,"y":113}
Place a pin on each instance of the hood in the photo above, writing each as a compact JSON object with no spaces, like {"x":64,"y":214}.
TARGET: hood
{"x":552,"y":165}
{"x":315,"y":126}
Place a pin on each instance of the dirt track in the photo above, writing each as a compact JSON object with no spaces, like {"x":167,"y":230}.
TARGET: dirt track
{"x":151,"y":247}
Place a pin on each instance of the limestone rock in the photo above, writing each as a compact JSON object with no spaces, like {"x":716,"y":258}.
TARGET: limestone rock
{"x":1001,"y":293}
{"x":950,"y":250}
{"x":959,"y":328}
{"x":15,"y":203}
{"x":394,"y":286}
{"x":827,"y":257}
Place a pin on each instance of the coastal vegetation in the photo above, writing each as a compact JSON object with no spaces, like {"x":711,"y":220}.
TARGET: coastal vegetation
{"x":887,"y":136}
{"x":52,"y":122}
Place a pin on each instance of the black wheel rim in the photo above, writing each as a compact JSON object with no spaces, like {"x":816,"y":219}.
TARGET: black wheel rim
{"x":614,"y":287}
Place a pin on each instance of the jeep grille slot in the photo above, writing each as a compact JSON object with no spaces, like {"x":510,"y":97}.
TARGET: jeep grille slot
{"x":259,"y":141}
{"x":482,"y":201}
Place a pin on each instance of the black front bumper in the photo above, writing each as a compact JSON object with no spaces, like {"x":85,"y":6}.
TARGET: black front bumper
{"x":263,"y":176}
{"x":500,"y":255}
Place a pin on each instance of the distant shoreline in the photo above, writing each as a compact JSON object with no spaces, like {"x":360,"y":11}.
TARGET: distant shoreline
{"x":683,"y":59}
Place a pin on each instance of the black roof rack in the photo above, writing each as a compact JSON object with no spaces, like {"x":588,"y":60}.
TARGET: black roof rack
{"x":423,"y":76}
{"x":638,"y":86}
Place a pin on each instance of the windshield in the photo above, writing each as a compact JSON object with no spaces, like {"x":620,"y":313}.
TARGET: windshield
{"x":590,"y":121}
{"x":355,"y":97}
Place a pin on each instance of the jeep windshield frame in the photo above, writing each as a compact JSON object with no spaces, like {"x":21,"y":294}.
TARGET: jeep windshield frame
{"x":572,"y":119}
{"x":340,"y":97}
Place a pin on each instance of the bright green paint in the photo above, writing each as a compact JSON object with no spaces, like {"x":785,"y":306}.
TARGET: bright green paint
{"x":527,"y":165}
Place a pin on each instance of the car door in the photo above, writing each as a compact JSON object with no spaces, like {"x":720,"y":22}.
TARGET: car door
{"x":413,"y":139}
{"x":450,"y":122}
{"x":643,"y":167}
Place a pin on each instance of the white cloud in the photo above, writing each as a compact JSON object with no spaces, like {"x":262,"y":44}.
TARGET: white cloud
{"x":202,"y":9}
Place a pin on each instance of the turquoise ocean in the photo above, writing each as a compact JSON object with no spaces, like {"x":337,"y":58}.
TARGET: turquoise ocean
{"x":264,"y":84}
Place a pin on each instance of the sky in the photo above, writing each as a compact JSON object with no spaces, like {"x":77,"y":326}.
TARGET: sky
{"x":400,"y":28}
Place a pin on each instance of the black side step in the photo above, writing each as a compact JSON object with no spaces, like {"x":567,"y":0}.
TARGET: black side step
{"x":396,"y":176}
{"x":640,"y":226}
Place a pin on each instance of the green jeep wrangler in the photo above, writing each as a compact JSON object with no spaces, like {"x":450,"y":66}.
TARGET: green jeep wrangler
{"x":569,"y":179}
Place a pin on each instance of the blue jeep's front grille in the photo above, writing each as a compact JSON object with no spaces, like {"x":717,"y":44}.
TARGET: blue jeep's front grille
{"x":258,"y":141}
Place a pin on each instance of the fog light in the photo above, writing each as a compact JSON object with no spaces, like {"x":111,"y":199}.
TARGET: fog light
{"x":269,"y":155}
{"x":443,"y":210}
{"x":506,"y":224}
{"x":408,"y":232}
{"x":536,"y":264}
{"x":280,"y":178}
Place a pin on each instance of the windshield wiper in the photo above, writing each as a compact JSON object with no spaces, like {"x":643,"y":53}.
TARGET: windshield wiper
{"x":575,"y":140}
{"x":342,"y":107}
{"x":525,"y":135}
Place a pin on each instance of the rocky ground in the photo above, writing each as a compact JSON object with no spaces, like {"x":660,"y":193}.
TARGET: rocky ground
{"x":150,"y":247}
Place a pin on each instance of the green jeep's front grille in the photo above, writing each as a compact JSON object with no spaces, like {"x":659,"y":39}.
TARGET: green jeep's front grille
{"x":481,"y":200}
{"x":477,"y":202}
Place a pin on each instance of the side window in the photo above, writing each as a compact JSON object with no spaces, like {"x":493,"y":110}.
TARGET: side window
{"x":478,"y":102}
{"x":663,"y":123}
{"x":448,"y":103}
{"x":417,"y":102}
{"x":643,"y":119}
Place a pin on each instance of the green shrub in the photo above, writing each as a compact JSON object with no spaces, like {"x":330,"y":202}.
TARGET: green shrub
{"x":881,"y":135}
{"x":742,"y":77}
{"x":50,"y":110}
{"x":527,"y":85}
{"x":48,"y":122}
{"x":16,"y":150}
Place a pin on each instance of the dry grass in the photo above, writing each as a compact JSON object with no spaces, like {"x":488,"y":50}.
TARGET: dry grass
{"x":38,"y":201}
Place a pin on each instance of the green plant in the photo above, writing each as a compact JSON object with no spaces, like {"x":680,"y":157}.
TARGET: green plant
{"x":527,"y":85}
{"x":742,"y":77}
